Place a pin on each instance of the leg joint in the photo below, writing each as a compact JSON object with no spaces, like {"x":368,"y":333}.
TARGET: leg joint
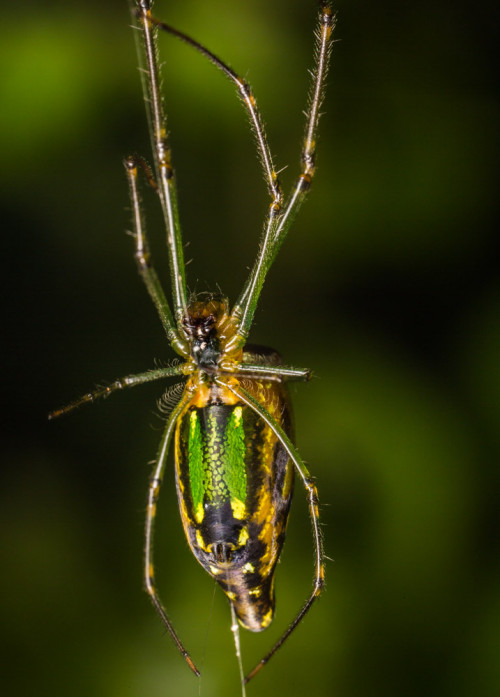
{"x":327,"y":17}
{"x":318,"y":587}
{"x":149,"y":584}
{"x":143,"y":259}
{"x":305,"y":181}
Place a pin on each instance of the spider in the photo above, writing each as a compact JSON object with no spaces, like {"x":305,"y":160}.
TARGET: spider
{"x":234,"y":453}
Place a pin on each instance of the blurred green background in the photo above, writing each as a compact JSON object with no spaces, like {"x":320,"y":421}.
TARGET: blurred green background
{"x":387,"y":288}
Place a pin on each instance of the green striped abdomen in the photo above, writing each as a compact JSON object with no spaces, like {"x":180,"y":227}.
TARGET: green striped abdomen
{"x":216,"y":458}
{"x":234,"y":483}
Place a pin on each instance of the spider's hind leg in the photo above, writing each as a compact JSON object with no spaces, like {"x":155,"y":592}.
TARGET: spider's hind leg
{"x":153,"y":495}
{"x":312,"y":496}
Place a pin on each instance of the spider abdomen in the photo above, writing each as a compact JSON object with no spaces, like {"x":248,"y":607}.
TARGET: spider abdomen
{"x":234,"y":484}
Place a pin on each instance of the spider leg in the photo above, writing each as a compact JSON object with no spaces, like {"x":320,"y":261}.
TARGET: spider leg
{"x":267,"y":372}
{"x":312,"y":495}
{"x":153,"y":495}
{"x":146,"y":270}
{"x":249,"y":102}
{"x":277,"y":226}
{"x":323,"y":50}
{"x":166,"y":188}
{"x":119,"y":384}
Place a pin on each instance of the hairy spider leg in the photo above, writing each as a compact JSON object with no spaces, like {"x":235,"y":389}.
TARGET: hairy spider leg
{"x":166,"y":187}
{"x":279,"y":223}
{"x":312,"y":495}
{"x":119,"y":384}
{"x":153,"y":495}
{"x":146,"y":270}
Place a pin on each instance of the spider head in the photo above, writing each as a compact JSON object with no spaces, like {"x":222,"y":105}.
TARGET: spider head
{"x":202,"y":324}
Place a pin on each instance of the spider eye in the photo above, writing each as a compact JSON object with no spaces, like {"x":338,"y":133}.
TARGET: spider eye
{"x":199,"y":326}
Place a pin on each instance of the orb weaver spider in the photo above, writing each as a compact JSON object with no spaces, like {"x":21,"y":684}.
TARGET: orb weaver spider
{"x":234,"y":452}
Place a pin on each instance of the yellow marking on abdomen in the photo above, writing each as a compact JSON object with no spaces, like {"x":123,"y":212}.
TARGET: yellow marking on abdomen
{"x":199,"y":513}
{"x":243,"y":537}
{"x":266,"y":619}
{"x":238,"y":508}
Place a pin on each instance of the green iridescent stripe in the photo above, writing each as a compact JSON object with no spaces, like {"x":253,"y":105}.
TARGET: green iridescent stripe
{"x":236,"y":476}
{"x":195,"y":460}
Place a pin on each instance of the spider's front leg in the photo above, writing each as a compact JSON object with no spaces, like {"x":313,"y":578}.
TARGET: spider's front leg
{"x":279,"y":222}
{"x":146,"y":270}
{"x":165,"y":175}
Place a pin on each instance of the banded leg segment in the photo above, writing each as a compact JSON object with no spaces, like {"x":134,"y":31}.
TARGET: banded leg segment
{"x":312,"y":495}
{"x":163,"y":165}
{"x":153,"y":495}
{"x":119,"y":384}
{"x":146,"y":270}
{"x":277,"y":228}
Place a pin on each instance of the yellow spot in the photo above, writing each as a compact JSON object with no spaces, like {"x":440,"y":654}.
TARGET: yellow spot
{"x":152,"y":510}
{"x":199,"y":513}
{"x":243,"y":536}
{"x":239,"y":509}
{"x":151,"y":571}
{"x":215,"y":570}
{"x":231,"y":595}
{"x":199,"y":540}
{"x":267,"y":535}
{"x":248,"y":568}
{"x":193,"y":417}
{"x":256,"y":592}
{"x":266,"y":620}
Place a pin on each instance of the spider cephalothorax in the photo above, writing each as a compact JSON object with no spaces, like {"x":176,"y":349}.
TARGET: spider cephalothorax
{"x":202,"y":324}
